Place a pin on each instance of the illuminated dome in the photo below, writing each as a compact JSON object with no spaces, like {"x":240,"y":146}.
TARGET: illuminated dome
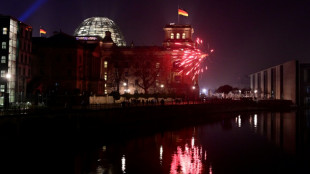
{"x":97,"y":26}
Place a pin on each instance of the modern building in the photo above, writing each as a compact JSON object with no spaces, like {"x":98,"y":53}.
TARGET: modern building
{"x":287,"y":81}
{"x":16,"y":53}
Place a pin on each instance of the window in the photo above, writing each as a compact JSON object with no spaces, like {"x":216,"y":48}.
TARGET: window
{"x":157,"y":65}
{"x":105,"y":64}
{"x":178,"y":36}
{"x":183,"y":35}
{"x":172,"y":36}
{"x":3,"y":59}
{"x":105,"y":76}
{"x":2,"y":73}
{"x":2,"y":88}
{"x":5,"y":31}
{"x":3,"y":45}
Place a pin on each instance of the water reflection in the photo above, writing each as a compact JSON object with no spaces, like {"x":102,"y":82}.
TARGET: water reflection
{"x":264,"y":142}
{"x":187,"y":160}
{"x":123,"y":164}
{"x":161,"y":155}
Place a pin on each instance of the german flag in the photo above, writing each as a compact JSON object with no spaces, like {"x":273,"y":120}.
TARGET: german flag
{"x":42,"y":31}
{"x":182,"y":12}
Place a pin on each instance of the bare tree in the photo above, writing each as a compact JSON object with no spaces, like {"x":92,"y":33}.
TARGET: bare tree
{"x":147,"y":70}
{"x":117,"y":66}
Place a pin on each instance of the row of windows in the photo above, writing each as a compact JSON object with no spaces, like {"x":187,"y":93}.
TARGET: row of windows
{"x":177,"y":36}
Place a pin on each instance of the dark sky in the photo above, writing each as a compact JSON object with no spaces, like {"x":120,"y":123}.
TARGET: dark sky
{"x":247,"y":35}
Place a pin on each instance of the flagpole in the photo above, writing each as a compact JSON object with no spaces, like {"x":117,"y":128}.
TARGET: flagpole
{"x":178,"y":15}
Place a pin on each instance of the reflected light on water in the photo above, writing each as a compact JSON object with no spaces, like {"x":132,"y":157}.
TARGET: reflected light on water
{"x":255,"y":120}
{"x":210,"y":170}
{"x":193,"y":142}
{"x":161,"y":155}
{"x":239,"y":121}
{"x":123,"y":164}
{"x":187,"y":161}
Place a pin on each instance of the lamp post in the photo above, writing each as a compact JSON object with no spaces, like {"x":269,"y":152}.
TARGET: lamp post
{"x":194,"y":91}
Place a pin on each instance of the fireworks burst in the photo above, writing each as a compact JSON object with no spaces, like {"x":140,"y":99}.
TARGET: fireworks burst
{"x":191,"y":62}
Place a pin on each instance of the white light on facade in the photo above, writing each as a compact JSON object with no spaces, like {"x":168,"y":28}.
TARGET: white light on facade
{"x":8,"y":76}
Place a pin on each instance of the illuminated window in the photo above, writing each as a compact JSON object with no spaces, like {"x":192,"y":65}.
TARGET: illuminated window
{"x":2,"y":73}
{"x":3,"y":59}
{"x":157,"y":65}
{"x":2,"y":88}
{"x":1,"y":101}
{"x":178,"y":36}
{"x":172,"y":36}
{"x":5,"y":31}
{"x":183,"y":35}
{"x":3,"y":45}
{"x":105,"y":64}
{"x":105,"y":76}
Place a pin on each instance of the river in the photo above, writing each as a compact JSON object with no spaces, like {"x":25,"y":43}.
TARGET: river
{"x":262,"y":142}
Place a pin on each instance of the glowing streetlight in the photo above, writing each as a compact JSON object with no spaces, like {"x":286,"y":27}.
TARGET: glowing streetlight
{"x":204,"y":90}
{"x":8,"y":76}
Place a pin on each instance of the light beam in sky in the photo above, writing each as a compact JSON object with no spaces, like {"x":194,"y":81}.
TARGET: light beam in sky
{"x":31,"y":10}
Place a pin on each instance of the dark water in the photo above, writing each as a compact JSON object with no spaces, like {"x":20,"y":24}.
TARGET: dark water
{"x":265,"y":142}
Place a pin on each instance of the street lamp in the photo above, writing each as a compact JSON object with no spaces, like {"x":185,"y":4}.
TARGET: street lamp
{"x":204,"y":90}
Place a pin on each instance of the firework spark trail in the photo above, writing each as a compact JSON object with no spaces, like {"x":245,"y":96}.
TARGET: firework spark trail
{"x":191,"y":62}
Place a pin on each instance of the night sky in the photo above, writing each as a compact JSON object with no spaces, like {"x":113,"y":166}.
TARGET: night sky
{"x":247,"y":35}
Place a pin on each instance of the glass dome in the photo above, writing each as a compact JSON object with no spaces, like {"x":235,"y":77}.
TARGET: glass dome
{"x":97,"y":26}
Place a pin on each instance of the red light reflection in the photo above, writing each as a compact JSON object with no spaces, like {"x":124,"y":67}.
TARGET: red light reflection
{"x":187,"y":160}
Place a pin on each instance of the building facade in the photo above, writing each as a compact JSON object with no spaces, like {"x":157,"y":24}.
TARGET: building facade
{"x":16,"y":53}
{"x":287,"y":81}
{"x":150,"y":69}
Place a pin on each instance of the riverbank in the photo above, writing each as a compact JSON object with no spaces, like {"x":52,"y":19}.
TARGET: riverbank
{"x":144,"y":116}
{"x":58,"y":126}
